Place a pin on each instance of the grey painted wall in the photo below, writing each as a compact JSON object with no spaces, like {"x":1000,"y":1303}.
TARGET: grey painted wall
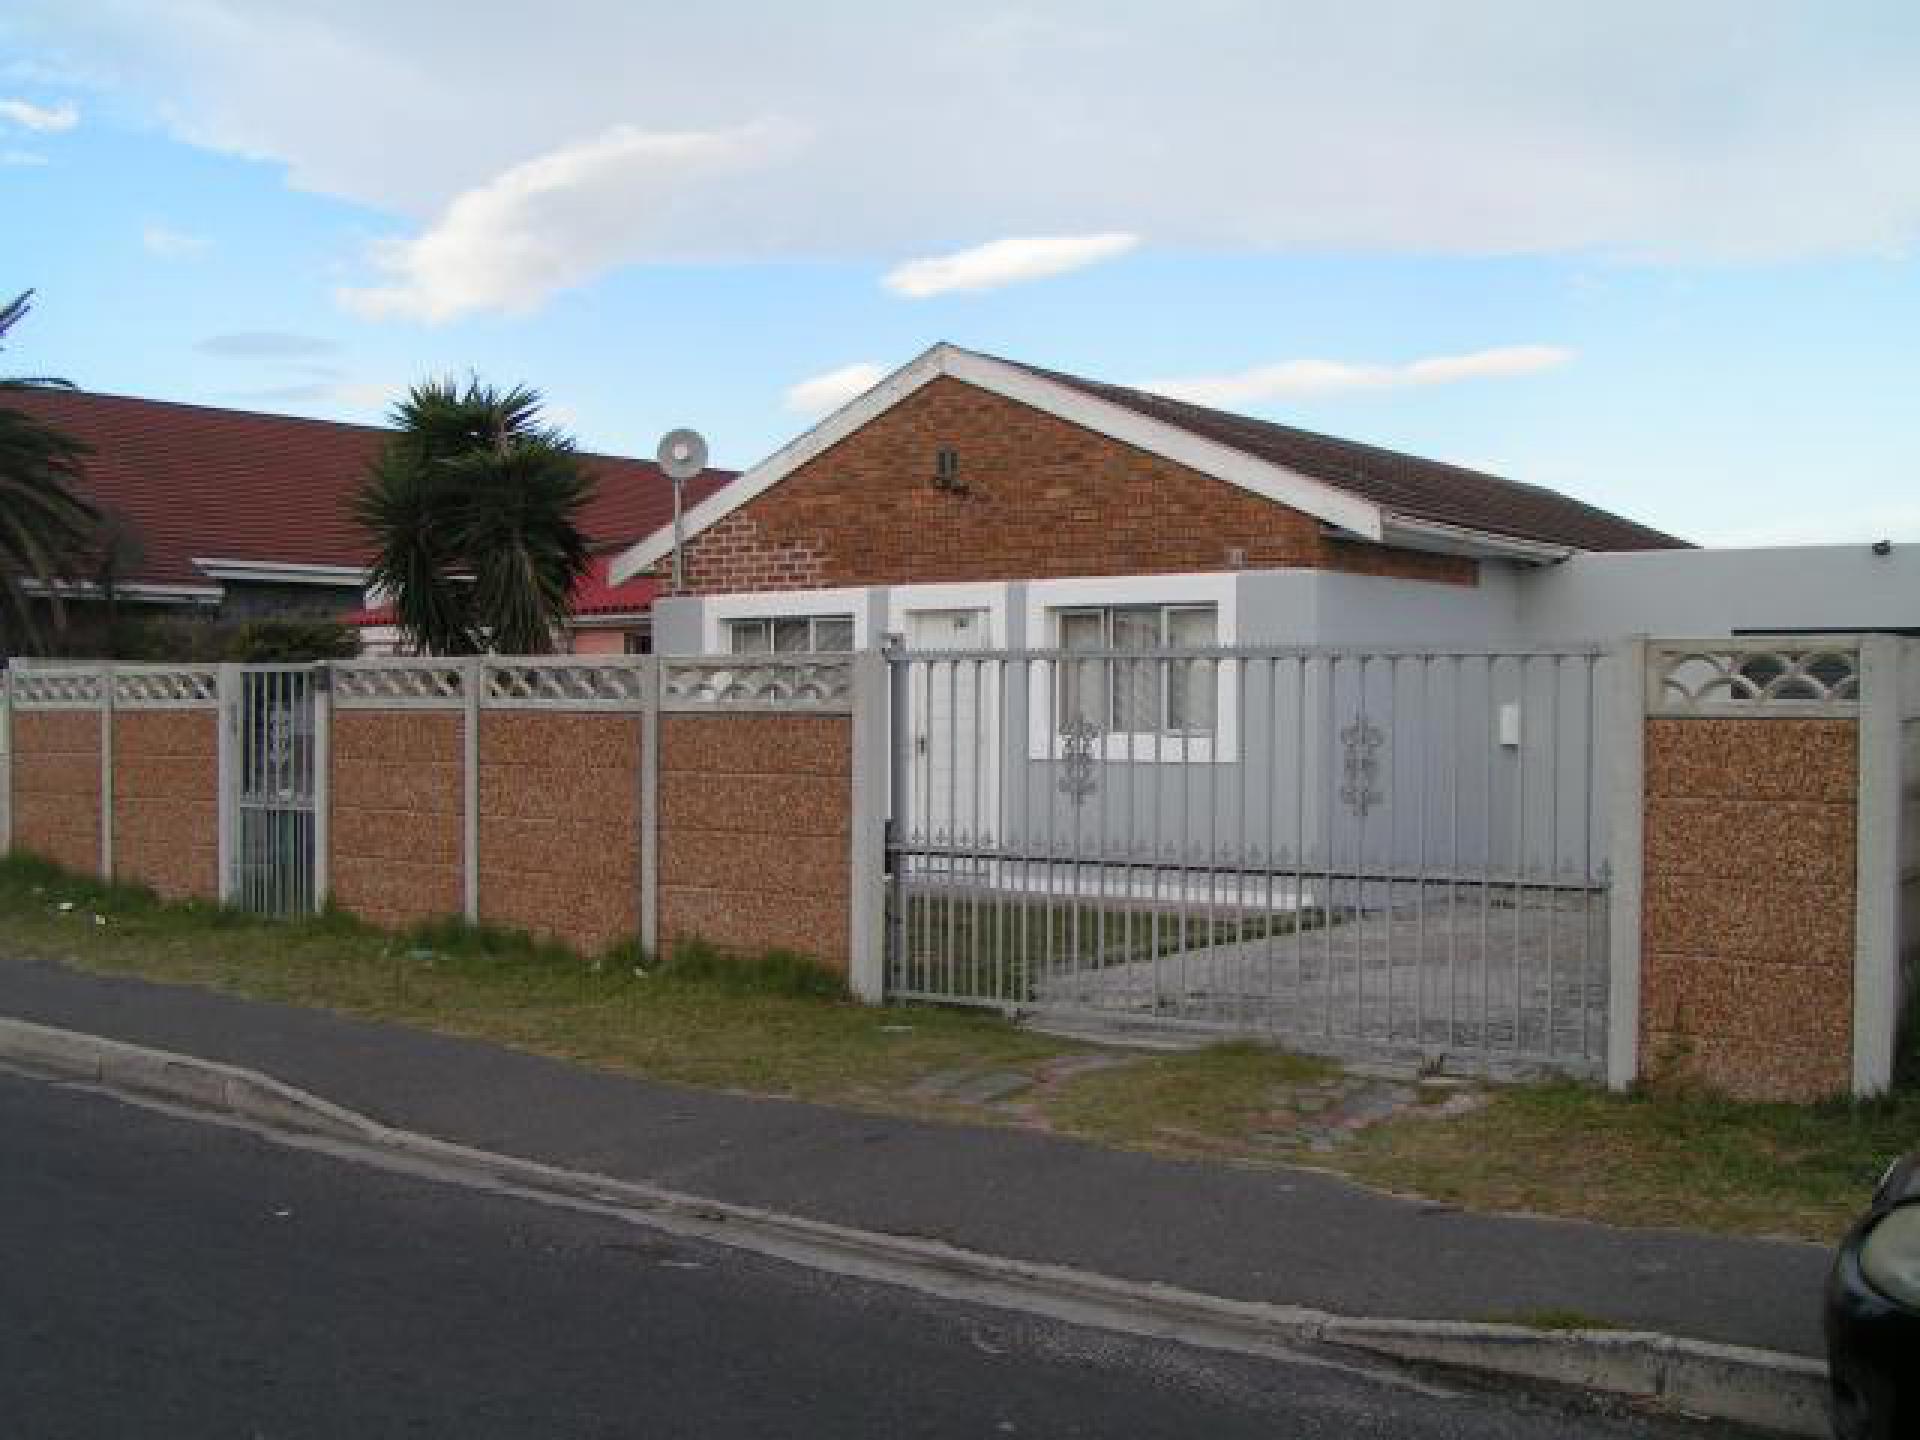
{"x":1685,"y":593}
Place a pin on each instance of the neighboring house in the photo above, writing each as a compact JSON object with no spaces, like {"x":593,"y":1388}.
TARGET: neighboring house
{"x":233,"y":514}
{"x":970,"y":498}
{"x":607,"y":619}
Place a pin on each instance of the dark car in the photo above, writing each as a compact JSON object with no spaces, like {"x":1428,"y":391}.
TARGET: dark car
{"x":1873,"y":1314}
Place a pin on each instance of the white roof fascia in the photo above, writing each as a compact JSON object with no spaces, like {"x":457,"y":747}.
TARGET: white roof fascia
{"x":1223,"y":462}
{"x":284,"y":572}
{"x":1433,"y":535}
{"x":130,"y":590}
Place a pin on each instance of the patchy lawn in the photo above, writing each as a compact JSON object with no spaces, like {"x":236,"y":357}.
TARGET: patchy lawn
{"x":1684,"y":1159}
{"x":779,"y":1026}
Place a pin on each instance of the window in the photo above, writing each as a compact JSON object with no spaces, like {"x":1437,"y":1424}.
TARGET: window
{"x":790,"y":635}
{"x":1163,"y":691}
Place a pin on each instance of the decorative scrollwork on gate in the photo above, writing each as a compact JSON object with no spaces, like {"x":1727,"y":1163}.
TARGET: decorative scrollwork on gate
{"x":1360,"y":745}
{"x":1078,"y":738}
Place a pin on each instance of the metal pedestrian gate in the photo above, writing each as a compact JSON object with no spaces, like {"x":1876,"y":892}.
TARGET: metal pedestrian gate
{"x":1349,"y":850}
{"x":275,"y":853}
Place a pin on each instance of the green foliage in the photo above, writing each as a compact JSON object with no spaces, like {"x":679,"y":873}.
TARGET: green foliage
{"x":459,"y":939}
{"x":473,"y":508}
{"x":260,"y":642}
{"x":286,"y":641}
{"x":777,"y":972}
{"x":48,"y":532}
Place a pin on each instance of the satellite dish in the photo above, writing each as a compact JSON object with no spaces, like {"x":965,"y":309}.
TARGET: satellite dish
{"x":682,"y":454}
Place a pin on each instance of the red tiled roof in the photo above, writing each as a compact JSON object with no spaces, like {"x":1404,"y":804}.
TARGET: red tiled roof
{"x":238,"y":485}
{"x":592,"y":596}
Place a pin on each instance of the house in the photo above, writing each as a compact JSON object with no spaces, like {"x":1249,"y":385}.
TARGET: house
{"x":232,"y":514}
{"x":969,"y":496}
{"x":1154,"y":653}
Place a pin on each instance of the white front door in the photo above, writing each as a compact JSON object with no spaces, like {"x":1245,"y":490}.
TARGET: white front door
{"x":955,"y":709}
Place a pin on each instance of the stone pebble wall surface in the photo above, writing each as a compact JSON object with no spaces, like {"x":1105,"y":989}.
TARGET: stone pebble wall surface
{"x":755,"y":824}
{"x":56,"y":786}
{"x":166,"y":809}
{"x":1748,"y":939}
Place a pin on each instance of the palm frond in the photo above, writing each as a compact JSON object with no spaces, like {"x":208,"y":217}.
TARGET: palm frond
{"x":48,"y":530}
{"x":473,"y":508}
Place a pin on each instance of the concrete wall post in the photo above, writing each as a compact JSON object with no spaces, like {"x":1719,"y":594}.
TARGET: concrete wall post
{"x":1880,"y":866}
{"x":649,"y":836}
{"x":1626,"y":742}
{"x":867,"y":913}
{"x":106,"y":772}
{"x":473,"y":677}
{"x":227,"y":767}
{"x":6,"y":761}
{"x":322,"y":783}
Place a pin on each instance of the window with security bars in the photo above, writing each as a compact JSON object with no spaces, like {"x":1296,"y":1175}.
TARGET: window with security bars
{"x":791,"y":635}
{"x":1163,"y":692}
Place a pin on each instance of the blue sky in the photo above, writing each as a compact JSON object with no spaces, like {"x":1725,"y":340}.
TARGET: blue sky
{"x":1664,"y":261}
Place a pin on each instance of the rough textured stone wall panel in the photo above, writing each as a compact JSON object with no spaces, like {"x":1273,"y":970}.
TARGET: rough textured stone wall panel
{"x":56,"y":786}
{"x":166,"y":801}
{"x":398,"y":797}
{"x":1748,"y":941}
{"x":755,"y":824}
{"x":560,"y":825}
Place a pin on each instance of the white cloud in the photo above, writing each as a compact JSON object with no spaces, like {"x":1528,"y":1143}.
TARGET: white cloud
{"x":1297,"y":379}
{"x":1004,"y":262}
{"x":29,"y":116}
{"x":21,"y":158}
{"x":1635,"y":128}
{"x":821,"y":393}
{"x":557,"y":220}
{"x":171,"y":244}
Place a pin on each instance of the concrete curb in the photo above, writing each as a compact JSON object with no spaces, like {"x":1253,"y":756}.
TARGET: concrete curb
{"x":1785,"y":1393}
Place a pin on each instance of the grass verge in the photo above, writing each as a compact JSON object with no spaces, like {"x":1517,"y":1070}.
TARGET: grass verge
{"x":778,"y":1025}
{"x":782,"y":1026}
{"x":1194,"y":1102}
{"x":1676,"y":1157}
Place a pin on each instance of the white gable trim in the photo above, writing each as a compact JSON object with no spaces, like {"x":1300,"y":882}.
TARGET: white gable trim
{"x":1273,"y":482}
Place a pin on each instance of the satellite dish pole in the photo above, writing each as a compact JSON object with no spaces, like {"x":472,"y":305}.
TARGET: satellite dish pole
{"x":682,"y":455}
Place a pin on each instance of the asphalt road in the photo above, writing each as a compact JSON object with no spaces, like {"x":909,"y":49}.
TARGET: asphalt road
{"x":1292,"y":1236}
{"x":162,"y":1276}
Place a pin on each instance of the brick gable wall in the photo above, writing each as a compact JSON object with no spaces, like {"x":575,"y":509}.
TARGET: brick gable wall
{"x":1043,"y":498}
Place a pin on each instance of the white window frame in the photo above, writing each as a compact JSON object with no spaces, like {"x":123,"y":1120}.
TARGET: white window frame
{"x":770,"y":623}
{"x":1047,"y":598}
{"x":716,"y":634}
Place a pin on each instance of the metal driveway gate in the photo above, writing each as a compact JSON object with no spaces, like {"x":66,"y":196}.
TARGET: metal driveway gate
{"x":1382,"y":850}
{"x":274,"y":854}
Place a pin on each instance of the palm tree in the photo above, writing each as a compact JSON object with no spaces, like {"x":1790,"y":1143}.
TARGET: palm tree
{"x":473,"y":509}
{"x":47,"y":530}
